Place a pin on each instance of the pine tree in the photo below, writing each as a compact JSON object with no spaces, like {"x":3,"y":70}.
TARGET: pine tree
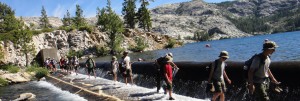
{"x":67,"y":20}
{"x":44,"y":19}
{"x":143,"y":16}
{"x":8,"y":21}
{"x":23,"y":38}
{"x":1,"y":53}
{"x":129,"y":13}
{"x":113,"y":25}
{"x":79,"y":19}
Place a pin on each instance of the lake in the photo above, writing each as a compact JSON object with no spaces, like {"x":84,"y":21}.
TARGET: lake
{"x":240,"y":49}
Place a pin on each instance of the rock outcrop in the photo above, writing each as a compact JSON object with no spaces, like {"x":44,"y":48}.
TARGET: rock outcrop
{"x":79,"y":40}
{"x":186,"y":18}
{"x":15,"y":77}
{"x":26,"y":97}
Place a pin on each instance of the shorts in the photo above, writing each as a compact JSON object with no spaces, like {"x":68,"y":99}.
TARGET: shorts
{"x":260,"y":92}
{"x":76,"y":67}
{"x":219,"y":86}
{"x":127,"y":73}
{"x":90,"y":70}
{"x":169,"y":86}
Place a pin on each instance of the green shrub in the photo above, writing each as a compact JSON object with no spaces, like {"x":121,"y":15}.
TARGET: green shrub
{"x":67,"y":28}
{"x":86,"y":28}
{"x":36,"y":32}
{"x":140,"y":45}
{"x":31,"y":69}
{"x":47,"y":30}
{"x":72,"y":53}
{"x":102,"y":51}
{"x":171,"y":43}
{"x":41,"y":72}
{"x":3,"y":82}
{"x":13,"y":69}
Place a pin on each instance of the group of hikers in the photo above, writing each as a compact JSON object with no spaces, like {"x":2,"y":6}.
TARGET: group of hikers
{"x":67,"y":65}
{"x":258,"y":75}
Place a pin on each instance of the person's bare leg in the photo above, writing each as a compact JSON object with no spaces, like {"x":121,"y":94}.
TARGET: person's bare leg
{"x":170,"y":93}
{"x":222,"y":97}
{"x":125,"y":79}
{"x":131,"y":80}
{"x":94,"y":74}
{"x":215,"y":96}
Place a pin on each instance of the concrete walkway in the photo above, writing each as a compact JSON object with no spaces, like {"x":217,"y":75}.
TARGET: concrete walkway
{"x":119,"y":90}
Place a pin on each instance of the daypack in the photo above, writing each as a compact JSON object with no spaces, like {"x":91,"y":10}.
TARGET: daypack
{"x":248,"y":63}
{"x":161,"y":60}
{"x":210,"y":66}
{"x":90,"y":63}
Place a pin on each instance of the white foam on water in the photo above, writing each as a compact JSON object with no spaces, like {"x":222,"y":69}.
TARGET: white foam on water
{"x":139,"y":93}
{"x":62,"y":95}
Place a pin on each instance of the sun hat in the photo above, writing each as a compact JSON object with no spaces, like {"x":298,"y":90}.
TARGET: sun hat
{"x":224,"y":54}
{"x":270,"y":45}
{"x":114,"y":58}
{"x":169,"y":58}
{"x":170,"y":54}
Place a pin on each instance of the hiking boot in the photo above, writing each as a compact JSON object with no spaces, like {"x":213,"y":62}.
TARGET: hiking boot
{"x":171,"y":98}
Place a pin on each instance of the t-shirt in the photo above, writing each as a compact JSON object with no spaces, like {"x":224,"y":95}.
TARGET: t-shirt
{"x":218,"y":72}
{"x":114,"y":66}
{"x":168,"y":70}
{"x":126,"y":62}
{"x":260,"y":69}
{"x":90,"y":63}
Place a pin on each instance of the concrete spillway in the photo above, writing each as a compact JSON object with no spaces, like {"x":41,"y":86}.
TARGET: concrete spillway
{"x":286,"y":72}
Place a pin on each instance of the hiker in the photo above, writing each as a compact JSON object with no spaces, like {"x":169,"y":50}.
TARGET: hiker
{"x":126,"y":66}
{"x":217,"y":75}
{"x":168,"y":75}
{"x":53,"y":63}
{"x":76,"y":64}
{"x":259,"y":73}
{"x":160,"y":64}
{"x":47,"y":63}
{"x":114,"y":67}
{"x":62,"y":63}
{"x":90,"y":65}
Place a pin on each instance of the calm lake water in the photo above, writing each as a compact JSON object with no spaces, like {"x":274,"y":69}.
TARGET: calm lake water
{"x":240,"y":49}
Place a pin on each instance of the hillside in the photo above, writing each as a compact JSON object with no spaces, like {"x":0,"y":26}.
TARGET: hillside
{"x":227,"y":19}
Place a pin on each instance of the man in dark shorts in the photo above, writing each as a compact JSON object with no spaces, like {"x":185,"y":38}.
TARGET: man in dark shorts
{"x":259,"y":74}
{"x":90,"y":64}
{"x":126,"y":65}
{"x":217,"y":75}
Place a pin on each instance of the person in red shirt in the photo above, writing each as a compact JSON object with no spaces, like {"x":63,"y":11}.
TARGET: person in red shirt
{"x":168,"y":73}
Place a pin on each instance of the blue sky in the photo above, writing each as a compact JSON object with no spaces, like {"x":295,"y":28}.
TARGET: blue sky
{"x":58,"y":8}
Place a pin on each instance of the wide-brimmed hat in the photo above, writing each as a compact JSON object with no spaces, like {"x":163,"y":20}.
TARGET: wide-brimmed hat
{"x":170,"y":54}
{"x":224,"y":54}
{"x":270,"y":45}
{"x":114,"y":58}
{"x":90,"y":56}
{"x":169,"y":59}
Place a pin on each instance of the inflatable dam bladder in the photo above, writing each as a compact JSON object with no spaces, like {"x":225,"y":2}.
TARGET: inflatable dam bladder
{"x":286,"y":72}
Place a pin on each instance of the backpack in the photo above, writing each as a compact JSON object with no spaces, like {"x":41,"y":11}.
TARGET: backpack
{"x":161,"y":60}
{"x":248,"y":63}
{"x":90,"y":63}
{"x":210,"y":66}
